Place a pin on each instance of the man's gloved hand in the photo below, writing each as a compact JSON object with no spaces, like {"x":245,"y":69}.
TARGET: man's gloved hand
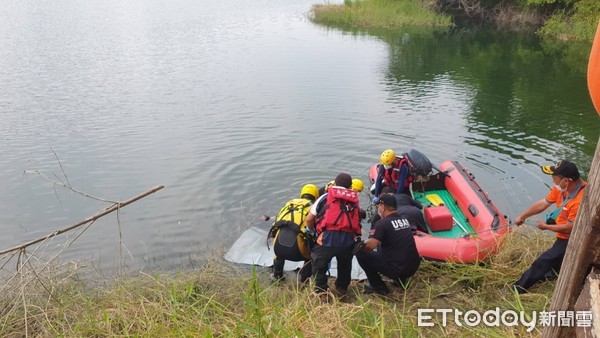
{"x":375,"y":200}
{"x":358,"y":245}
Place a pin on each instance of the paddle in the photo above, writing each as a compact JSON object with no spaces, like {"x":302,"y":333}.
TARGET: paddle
{"x":436,"y":200}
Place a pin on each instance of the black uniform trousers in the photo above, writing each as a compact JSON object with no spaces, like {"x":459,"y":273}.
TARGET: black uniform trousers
{"x":321,"y":257}
{"x":304,"y":273}
{"x":374,"y":263}
{"x":544,"y":267}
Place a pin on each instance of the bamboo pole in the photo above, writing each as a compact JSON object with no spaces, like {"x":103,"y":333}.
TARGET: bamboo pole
{"x":85,"y":221}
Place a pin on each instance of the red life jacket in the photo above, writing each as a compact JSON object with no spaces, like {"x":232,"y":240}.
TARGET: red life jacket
{"x":391,"y":176}
{"x":340,"y":212}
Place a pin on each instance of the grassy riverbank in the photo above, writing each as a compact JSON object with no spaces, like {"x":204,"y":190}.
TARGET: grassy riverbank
{"x":223,"y":300}
{"x":379,"y":14}
{"x":580,"y":26}
{"x":577,"y":22}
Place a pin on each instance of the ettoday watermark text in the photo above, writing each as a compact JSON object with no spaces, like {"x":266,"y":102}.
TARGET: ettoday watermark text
{"x":509,"y":318}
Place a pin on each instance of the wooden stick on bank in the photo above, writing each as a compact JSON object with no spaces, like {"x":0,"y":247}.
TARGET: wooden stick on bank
{"x":576,"y":287}
{"x":104,"y":212}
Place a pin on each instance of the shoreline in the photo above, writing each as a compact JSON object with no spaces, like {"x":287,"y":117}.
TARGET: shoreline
{"x":222,"y":298}
{"x":574,"y":25}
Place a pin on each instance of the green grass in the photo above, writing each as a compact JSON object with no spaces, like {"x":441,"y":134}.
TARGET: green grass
{"x":226,"y":300}
{"x":570,"y":28}
{"x":578,"y":24}
{"x":378,"y":14}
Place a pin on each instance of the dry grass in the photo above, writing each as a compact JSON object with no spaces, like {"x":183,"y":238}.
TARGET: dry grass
{"x":378,"y":14}
{"x":221,"y":299}
{"x":516,"y":18}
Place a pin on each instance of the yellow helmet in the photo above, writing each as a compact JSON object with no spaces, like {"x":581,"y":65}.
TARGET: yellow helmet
{"x":310,"y":189}
{"x":357,"y":185}
{"x":387,"y":157}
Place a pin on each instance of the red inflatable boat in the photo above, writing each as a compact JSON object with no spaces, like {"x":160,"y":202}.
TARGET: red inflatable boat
{"x":464,"y":225}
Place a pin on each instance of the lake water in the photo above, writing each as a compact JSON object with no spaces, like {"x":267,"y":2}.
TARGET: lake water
{"x":234,"y":105}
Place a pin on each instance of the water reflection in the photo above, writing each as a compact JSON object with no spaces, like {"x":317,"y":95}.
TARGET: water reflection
{"x":501,"y":103}
{"x":521,"y":97}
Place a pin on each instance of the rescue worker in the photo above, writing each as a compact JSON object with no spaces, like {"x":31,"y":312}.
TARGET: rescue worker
{"x":397,"y":256}
{"x":291,"y":240}
{"x":411,"y":209}
{"x":408,"y":208}
{"x":335,"y":218}
{"x":566,"y":194}
{"x":392,"y":171}
{"x":357,"y":185}
{"x":324,"y":188}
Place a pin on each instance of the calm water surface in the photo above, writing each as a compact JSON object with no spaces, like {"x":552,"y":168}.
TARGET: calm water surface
{"x":233,"y":105}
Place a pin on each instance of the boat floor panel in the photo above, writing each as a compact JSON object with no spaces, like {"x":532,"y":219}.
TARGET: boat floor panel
{"x":450,"y":203}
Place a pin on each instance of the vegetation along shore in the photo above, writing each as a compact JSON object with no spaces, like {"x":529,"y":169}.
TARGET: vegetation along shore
{"x":570,"y":20}
{"x":222,"y":299}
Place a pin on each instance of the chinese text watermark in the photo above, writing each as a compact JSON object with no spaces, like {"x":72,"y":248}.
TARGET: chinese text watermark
{"x":509,"y":318}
